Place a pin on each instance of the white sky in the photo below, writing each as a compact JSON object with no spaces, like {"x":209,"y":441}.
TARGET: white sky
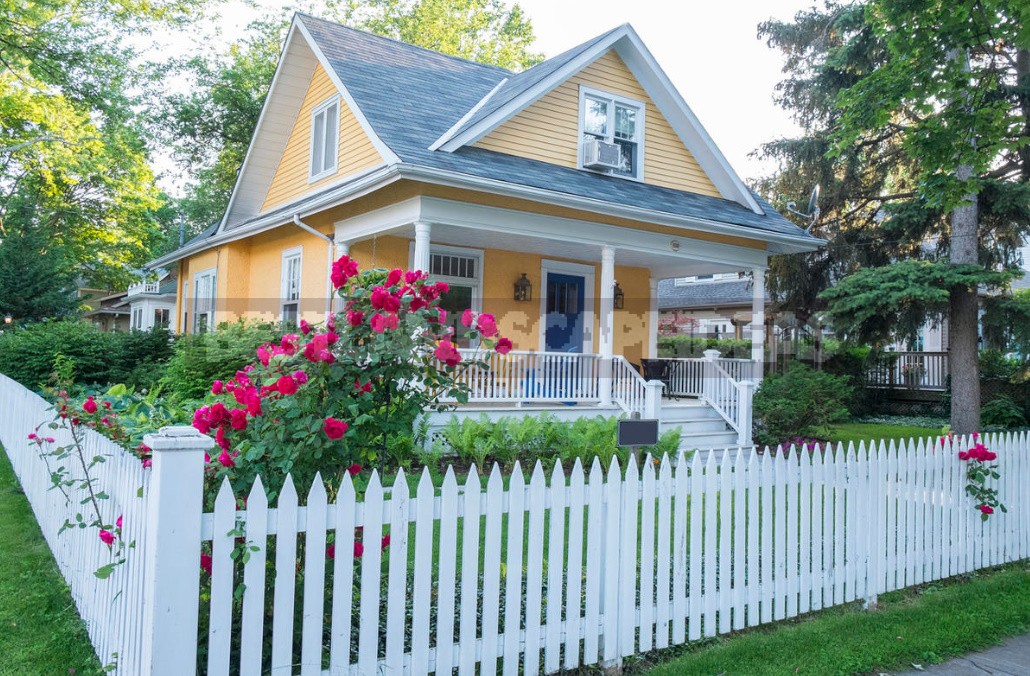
{"x":710,"y":51}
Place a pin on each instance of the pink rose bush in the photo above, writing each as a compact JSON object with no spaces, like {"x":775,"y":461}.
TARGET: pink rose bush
{"x":338,"y":395}
{"x":978,"y":471}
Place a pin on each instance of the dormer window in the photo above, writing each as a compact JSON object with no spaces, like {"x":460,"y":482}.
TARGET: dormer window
{"x":611,"y":134}
{"x":325,"y":139}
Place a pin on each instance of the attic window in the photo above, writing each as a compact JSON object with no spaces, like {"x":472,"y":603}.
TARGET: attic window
{"x":611,"y":134}
{"x":325,"y":138}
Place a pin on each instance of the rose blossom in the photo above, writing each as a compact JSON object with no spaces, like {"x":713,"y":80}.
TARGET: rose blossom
{"x":503,"y":346}
{"x":333,"y":428}
{"x":106,"y":536}
{"x":89,"y":406}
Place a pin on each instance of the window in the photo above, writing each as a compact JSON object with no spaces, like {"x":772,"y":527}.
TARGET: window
{"x":616,"y":120}
{"x":460,"y":270}
{"x":291,"y":286}
{"x":204,"y":301}
{"x":162,"y":317}
{"x":137,"y":319}
{"x":325,"y":138}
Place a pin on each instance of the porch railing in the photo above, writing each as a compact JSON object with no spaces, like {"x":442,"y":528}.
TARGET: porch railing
{"x":686,"y":376}
{"x":522,"y":376}
{"x":910,"y":370}
{"x":631,"y":392}
{"x":730,"y":397}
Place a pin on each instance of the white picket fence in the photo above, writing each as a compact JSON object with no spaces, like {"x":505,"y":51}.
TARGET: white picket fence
{"x":575,"y":567}
{"x":111,"y":608}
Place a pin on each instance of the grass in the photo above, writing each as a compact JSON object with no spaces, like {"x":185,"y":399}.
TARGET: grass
{"x":867,"y":432}
{"x":40,"y":631}
{"x":917,"y":626}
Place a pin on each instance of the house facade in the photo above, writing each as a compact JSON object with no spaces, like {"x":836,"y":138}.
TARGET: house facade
{"x":586,"y":176}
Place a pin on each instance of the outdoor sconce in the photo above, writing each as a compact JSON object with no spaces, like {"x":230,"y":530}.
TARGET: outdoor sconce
{"x":618,"y":297}
{"x":8,"y":318}
{"x":523,"y":289}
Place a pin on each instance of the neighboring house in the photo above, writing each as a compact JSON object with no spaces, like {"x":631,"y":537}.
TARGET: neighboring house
{"x":107,"y":312}
{"x":708,"y":306}
{"x":588,"y":174}
{"x":152,"y":303}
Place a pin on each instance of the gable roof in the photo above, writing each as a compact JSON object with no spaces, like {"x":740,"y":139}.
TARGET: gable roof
{"x":699,"y":295}
{"x":407,"y":98}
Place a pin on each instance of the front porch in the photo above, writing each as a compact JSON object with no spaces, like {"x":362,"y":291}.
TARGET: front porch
{"x":588,"y":321}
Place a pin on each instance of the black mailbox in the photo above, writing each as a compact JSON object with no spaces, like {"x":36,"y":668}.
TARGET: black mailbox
{"x":638,"y":433}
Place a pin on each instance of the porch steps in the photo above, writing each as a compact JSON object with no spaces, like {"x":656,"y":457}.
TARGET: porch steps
{"x":701,"y":427}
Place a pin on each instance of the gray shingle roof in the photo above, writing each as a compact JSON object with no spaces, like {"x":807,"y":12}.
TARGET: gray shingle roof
{"x":411,"y":96}
{"x":696,"y":295}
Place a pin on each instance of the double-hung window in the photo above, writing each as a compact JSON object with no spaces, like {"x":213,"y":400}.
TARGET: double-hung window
{"x":161,"y":318}
{"x":290,"y":294}
{"x":325,"y":137}
{"x":204,"y":301}
{"x":620,"y":121}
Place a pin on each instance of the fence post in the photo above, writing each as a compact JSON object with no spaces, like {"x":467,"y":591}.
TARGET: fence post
{"x":171,"y":585}
{"x":744,"y":415}
{"x":708,"y":382}
{"x":653,"y":399}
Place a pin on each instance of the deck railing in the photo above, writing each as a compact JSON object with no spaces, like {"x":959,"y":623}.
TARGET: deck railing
{"x":910,"y":370}
{"x":523,"y":376}
{"x":686,"y":376}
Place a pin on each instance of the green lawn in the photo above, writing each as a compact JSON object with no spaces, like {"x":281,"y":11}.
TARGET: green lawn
{"x":871,"y":431}
{"x":923,"y":626}
{"x":40,"y":632}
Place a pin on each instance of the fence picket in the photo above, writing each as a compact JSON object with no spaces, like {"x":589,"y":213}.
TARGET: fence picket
{"x":609,"y":566}
{"x":397,"y":573}
{"x":469,"y":574}
{"x":629,"y":545}
{"x":710,"y":553}
{"x":534,"y":569}
{"x":663,"y":557}
{"x":555,"y":568}
{"x":513,"y":576}
{"x":314,"y":579}
{"x":647,"y":558}
{"x":805,"y":536}
{"x":371,"y":572}
{"x":752,"y":534}
{"x":766,"y":542}
{"x":574,"y":570}
{"x":725,"y":546}
{"x":445,"y":584}
{"x":793,"y":587}
{"x":680,"y":534}
{"x":491,"y":564}
{"x":220,"y":629}
{"x":343,"y":577}
{"x":253,"y":625}
{"x":285,"y":579}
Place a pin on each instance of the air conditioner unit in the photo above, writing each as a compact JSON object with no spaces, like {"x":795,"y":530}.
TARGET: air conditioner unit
{"x":600,"y":155}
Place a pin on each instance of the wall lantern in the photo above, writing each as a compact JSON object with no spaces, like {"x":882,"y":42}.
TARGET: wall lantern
{"x":618,"y":297}
{"x":8,"y":318}
{"x":523,"y":289}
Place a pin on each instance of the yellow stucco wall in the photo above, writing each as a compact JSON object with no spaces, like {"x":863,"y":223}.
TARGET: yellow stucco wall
{"x":355,"y":153}
{"x":548,"y":130}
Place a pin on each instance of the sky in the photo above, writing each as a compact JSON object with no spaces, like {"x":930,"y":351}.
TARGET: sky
{"x":710,"y":51}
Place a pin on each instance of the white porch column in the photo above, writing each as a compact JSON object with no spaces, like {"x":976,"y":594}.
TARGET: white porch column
{"x":758,"y":321}
{"x":652,"y":319}
{"x":341,"y":247}
{"x":420,"y":260}
{"x":607,"y":321}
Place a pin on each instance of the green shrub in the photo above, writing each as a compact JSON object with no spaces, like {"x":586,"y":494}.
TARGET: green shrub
{"x":800,"y":402}
{"x":527,"y":439}
{"x":692,"y":346}
{"x":27,"y":354}
{"x":199,"y":359}
{"x":1002,"y":412}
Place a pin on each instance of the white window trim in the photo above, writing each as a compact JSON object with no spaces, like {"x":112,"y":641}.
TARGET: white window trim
{"x":476,"y":282}
{"x":584,"y":91}
{"x":297,"y":251}
{"x":213,"y":273}
{"x":587,"y":273}
{"x":312,"y":178}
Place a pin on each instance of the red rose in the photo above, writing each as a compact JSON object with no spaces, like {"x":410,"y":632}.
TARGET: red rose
{"x":217,"y":387}
{"x":385,"y":542}
{"x":90,"y":406}
{"x":503,"y":346}
{"x":205,"y":563}
{"x":225,"y":460}
{"x":239,"y":419}
{"x":305,"y":328}
{"x":487,"y":325}
{"x":354,"y":469}
{"x":107,"y":537}
{"x":394,"y":277}
{"x":355,"y":318}
{"x":467,"y":318}
{"x":359,"y":549}
{"x":286,"y":385}
{"x":334,"y":429}
{"x":330,"y":552}
{"x":987,"y":509}
{"x":448,"y":353}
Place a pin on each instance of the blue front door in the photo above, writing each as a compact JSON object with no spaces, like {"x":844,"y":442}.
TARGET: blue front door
{"x":564,"y":321}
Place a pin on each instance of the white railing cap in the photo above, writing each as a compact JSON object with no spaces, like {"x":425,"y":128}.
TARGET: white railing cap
{"x":178,"y":438}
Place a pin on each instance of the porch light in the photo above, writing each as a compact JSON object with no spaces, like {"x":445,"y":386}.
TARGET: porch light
{"x":618,"y":296}
{"x":523,"y":289}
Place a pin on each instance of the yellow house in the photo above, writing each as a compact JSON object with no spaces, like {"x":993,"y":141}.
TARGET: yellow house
{"x":586,"y":176}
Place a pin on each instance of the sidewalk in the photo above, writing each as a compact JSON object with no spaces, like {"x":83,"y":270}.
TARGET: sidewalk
{"x":1011,"y":658}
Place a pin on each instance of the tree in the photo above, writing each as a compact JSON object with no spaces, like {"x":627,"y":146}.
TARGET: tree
{"x":73,"y":159}
{"x":896,"y":104}
{"x":34,"y":283}
{"x":210,"y":127}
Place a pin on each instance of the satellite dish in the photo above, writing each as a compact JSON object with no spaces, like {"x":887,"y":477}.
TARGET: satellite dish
{"x":813,"y":208}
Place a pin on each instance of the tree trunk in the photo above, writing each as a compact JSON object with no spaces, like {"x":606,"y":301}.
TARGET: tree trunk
{"x":963,"y":326}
